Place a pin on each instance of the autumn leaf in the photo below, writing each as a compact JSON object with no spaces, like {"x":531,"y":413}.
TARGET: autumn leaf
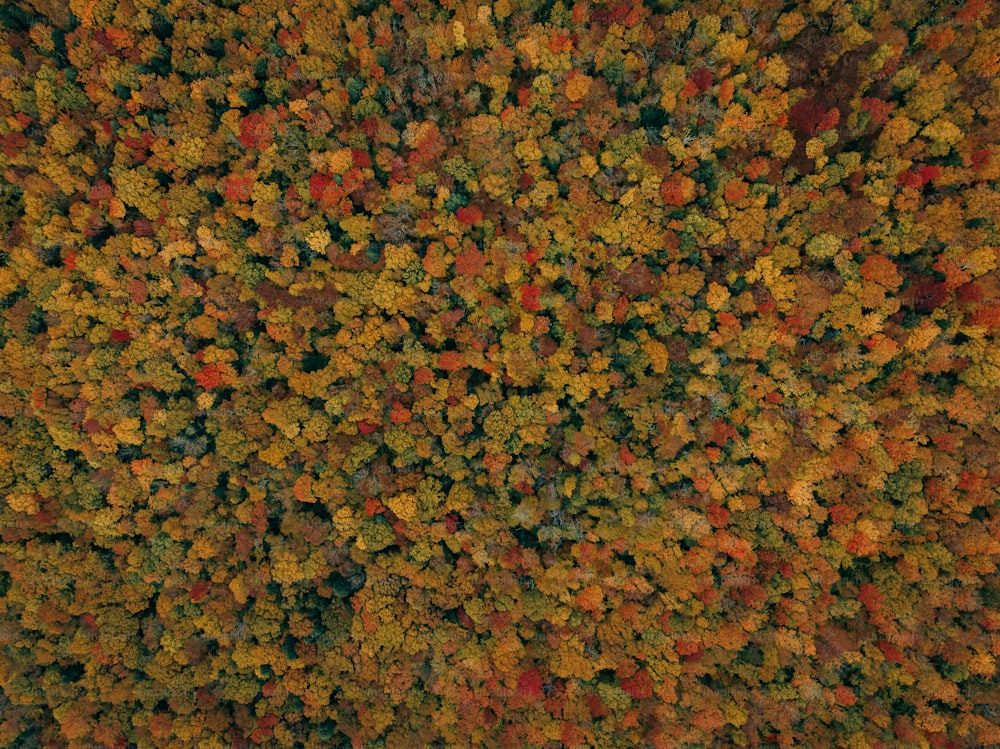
{"x":469,"y":215}
{"x":677,"y":191}
{"x":577,"y":86}
{"x":470,"y":262}
{"x":614,"y":375}
{"x":255,"y":132}
{"x":209,"y":377}
{"x":529,"y":297}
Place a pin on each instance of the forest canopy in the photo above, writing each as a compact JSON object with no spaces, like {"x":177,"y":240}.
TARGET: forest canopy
{"x":499,"y":374}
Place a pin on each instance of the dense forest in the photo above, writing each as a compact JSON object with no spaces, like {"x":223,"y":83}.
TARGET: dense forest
{"x":406,"y":374}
